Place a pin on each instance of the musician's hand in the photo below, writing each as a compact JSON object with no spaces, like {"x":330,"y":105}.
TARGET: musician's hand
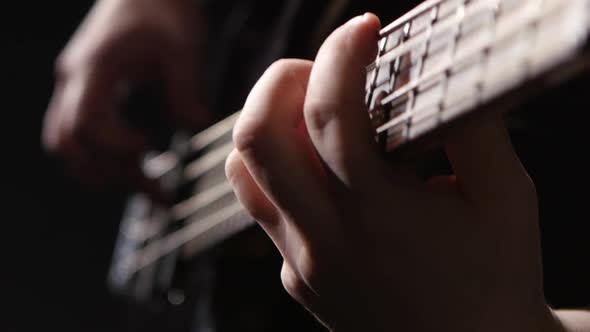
{"x":122,"y":41}
{"x":367,"y":245}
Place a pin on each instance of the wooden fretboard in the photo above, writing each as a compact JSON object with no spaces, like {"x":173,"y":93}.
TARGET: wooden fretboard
{"x":441,"y":61}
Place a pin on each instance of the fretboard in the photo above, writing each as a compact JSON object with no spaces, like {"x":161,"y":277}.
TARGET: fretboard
{"x":444,"y":60}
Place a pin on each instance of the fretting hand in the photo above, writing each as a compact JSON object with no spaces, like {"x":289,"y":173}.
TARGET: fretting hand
{"x":367,"y":246}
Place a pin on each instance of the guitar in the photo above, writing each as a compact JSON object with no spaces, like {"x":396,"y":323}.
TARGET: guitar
{"x":440,"y":64}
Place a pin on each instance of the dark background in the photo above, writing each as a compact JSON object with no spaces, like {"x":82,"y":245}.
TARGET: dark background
{"x":58,"y":236}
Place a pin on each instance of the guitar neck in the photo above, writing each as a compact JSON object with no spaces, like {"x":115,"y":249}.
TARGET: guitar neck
{"x":440,"y":63}
{"x":445,"y":59}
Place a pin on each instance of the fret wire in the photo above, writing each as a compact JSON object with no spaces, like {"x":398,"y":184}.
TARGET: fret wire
{"x":421,"y":9}
{"x":168,"y":244}
{"x":383,"y":44}
{"x":413,"y":95}
{"x":447,"y":73}
{"x":207,"y":136}
{"x":443,"y":82}
{"x":422,"y":37}
{"x":394,"y":73}
{"x":487,"y":55}
{"x":409,"y":102}
{"x":528,"y":19}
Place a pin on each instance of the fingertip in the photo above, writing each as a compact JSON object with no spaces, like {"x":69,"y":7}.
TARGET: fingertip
{"x":370,"y":27}
{"x":372,"y":22}
{"x":362,"y":33}
{"x":368,"y":23}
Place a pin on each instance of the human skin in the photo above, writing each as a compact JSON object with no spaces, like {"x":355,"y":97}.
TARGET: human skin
{"x":121,"y":42}
{"x":367,"y":245}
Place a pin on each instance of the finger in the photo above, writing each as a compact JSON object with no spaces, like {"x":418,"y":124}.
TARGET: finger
{"x":335,"y":112}
{"x":485,"y":163}
{"x":89,"y":163}
{"x":79,"y":160}
{"x":73,"y":133}
{"x":90,"y":114}
{"x":277,"y":151}
{"x":261,"y":208}
{"x":252,"y":197}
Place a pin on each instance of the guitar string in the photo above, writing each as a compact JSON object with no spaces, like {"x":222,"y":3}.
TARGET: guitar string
{"x":163,"y":163}
{"x":160,"y":165}
{"x":529,"y":17}
{"x":163,"y":246}
{"x":210,"y":160}
{"x":424,"y":7}
{"x":197,"y":203}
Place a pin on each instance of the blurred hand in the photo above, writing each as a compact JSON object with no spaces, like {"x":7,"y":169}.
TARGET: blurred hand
{"x":367,"y":246}
{"x":121,"y":42}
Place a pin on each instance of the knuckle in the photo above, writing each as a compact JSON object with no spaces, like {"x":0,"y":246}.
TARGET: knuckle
{"x":317,"y":113}
{"x":250,"y":133}
{"x":244,"y":135}
{"x":232,"y":166}
{"x":293,"y":284}
{"x":254,"y":127}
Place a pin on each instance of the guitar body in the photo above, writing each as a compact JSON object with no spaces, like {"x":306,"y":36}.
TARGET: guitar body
{"x":200,"y":266}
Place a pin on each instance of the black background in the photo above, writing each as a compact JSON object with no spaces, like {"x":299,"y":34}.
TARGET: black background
{"x":58,"y":236}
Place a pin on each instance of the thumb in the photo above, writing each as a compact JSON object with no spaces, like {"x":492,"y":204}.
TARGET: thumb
{"x":335,"y":112}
